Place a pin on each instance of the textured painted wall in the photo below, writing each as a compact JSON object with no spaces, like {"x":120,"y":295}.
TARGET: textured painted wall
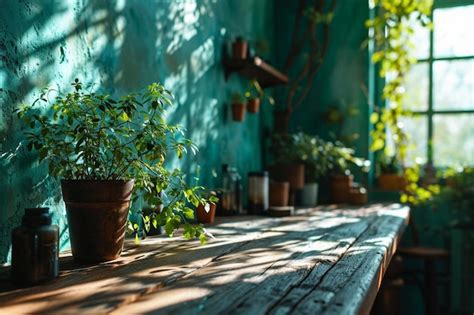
{"x":343,"y":72}
{"x":122,"y":46}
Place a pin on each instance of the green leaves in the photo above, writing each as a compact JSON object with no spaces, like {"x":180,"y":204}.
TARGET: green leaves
{"x":89,"y":135}
{"x":391,"y":31}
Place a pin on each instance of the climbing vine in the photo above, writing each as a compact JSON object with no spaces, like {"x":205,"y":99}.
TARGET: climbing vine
{"x":391,"y":31}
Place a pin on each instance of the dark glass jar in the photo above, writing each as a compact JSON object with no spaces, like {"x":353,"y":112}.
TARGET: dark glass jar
{"x":35,"y":248}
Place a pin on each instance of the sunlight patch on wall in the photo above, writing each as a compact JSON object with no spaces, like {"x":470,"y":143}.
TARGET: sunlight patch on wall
{"x":202,"y":59}
{"x":185,"y":17}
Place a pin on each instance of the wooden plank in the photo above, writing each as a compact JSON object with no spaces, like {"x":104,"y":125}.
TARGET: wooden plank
{"x":254,"y":265}
{"x":351,"y":285}
{"x":257,"y":269}
{"x":140,"y":270}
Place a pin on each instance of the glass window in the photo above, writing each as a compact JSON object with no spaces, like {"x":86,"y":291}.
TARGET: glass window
{"x":417,"y":88}
{"x":454,"y":31}
{"x":453,"y":139}
{"x":453,"y":84}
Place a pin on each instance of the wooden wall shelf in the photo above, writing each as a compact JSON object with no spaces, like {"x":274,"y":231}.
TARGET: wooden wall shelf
{"x":255,"y":68}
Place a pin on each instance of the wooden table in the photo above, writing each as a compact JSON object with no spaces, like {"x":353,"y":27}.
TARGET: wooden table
{"x":325,"y":260}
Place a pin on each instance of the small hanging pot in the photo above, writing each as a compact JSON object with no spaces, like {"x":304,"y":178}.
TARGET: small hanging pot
{"x":253,"y":105}
{"x":238,"y":111}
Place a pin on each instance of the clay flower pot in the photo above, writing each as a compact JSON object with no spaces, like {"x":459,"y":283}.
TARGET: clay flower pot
{"x":292,"y":173}
{"x":253,"y":105}
{"x":340,"y":186}
{"x":238,"y":111}
{"x":391,"y":181}
{"x":239,"y":48}
{"x":279,"y":193}
{"x":204,"y":216}
{"x":97,"y":212}
{"x":358,"y":196}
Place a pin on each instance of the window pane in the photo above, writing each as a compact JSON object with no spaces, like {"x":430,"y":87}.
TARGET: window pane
{"x":453,"y":31}
{"x":417,"y":88}
{"x":421,"y":39}
{"x":453,"y":139}
{"x":416,"y":128}
{"x":453,"y":84}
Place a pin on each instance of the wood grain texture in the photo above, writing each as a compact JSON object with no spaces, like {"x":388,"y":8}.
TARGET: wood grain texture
{"x":326,"y":260}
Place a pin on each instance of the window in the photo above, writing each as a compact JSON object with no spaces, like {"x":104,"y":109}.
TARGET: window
{"x":440,"y":88}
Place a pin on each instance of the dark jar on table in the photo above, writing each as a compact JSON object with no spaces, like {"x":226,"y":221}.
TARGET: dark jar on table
{"x":35,"y":248}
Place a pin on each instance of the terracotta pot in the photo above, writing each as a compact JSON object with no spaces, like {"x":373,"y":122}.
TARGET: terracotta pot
{"x":238,"y":111}
{"x":292,"y":173}
{"x":358,"y":196}
{"x":253,"y":105}
{"x":340,"y":186}
{"x":279,"y":192}
{"x":97,"y":213}
{"x":239,"y":49}
{"x":390,"y":181}
{"x":206,"y":217}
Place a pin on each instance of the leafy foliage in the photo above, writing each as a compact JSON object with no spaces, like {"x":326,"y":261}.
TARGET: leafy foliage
{"x":320,"y":157}
{"x":392,"y":31}
{"x":85,"y":135}
{"x":459,"y":192}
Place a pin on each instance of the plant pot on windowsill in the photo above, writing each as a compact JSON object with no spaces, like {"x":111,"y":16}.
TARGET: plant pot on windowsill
{"x":239,"y":48}
{"x":340,"y":186}
{"x":253,"y":105}
{"x":279,"y":194}
{"x":97,"y":212}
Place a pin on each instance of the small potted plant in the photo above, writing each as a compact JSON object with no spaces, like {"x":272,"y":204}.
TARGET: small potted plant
{"x":108,"y":151}
{"x":341,"y":180}
{"x":238,"y":107}
{"x":239,"y":48}
{"x":206,"y":211}
{"x":390,"y":169}
{"x":316,"y":164}
{"x":256,"y":96}
{"x":287,"y":161}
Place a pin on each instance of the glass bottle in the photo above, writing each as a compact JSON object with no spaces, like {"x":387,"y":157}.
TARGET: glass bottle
{"x":258,"y":192}
{"x":35,"y":248}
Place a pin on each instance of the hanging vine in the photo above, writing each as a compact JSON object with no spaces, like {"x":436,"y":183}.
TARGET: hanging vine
{"x":391,"y":31}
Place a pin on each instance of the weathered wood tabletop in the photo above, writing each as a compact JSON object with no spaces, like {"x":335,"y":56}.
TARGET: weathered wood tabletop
{"x":325,"y":260}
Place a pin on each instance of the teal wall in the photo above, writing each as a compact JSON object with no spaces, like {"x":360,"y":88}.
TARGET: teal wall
{"x":122,"y":46}
{"x":343,"y":72}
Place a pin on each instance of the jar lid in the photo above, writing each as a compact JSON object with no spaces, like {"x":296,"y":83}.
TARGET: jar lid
{"x":36,"y":217}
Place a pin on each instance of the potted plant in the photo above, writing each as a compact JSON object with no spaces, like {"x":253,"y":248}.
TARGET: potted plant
{"x":255,"y":96}
{"x":239,"y":48}
{"x":279,"y":194}
{"x":287,"y":162}
{"x":206,"y":211}
{"x":316,"y":164}
{"x":108,"y":151}
{"x":389,"y":178}
{"x":341,"y":180}
{"x":238,"y":107}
